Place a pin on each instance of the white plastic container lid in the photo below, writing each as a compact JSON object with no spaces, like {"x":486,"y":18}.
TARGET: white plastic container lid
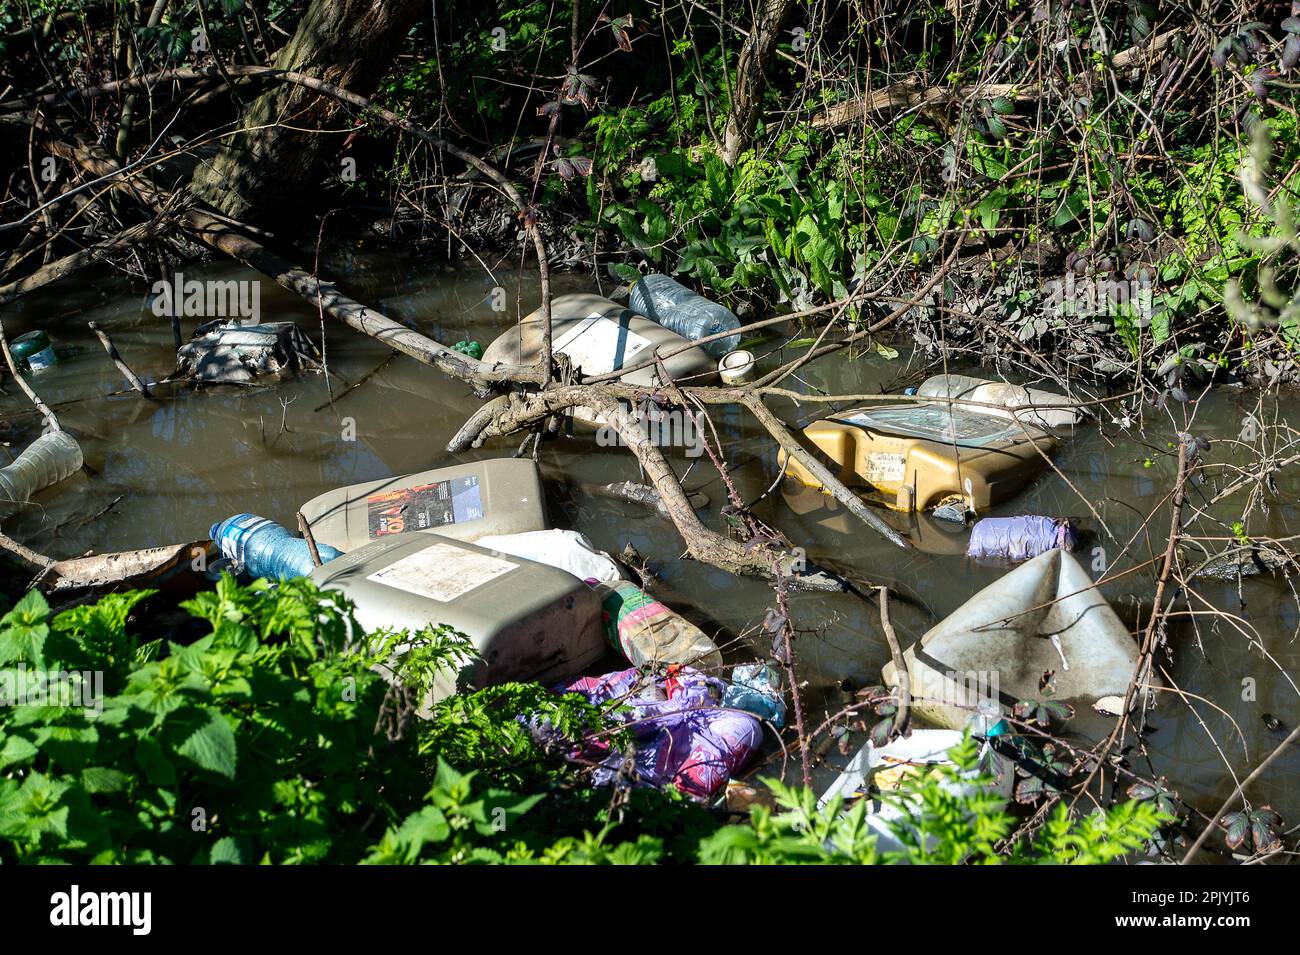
{"x":736,"y":367}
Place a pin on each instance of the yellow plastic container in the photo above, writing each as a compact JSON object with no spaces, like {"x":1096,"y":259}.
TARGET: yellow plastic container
{"x":913,"y":457}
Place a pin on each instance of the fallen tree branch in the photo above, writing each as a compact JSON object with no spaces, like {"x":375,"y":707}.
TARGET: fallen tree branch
{"x":235,"y":242}
{"x":372,"y":109}
{"x":900,"y":667}
{"x":62,"y":268}
{"x":910,"y":94}
{"x":642,"y":494}
{"x":830,"y":483}
{"x":32,"y":396}
{"x":25,"y":553}
{"x":117,"y":359}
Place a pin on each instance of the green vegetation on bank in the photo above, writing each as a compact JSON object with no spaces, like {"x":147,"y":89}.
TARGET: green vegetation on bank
{"x":268,"y":737}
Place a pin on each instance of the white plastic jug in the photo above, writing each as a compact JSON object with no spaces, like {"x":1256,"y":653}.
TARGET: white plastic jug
{"x":48,"y":460}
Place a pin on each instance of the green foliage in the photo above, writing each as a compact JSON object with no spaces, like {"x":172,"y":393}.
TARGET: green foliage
{"x":949,"y":816}
{"x":261,"y":741}
{"x":257,"y":742}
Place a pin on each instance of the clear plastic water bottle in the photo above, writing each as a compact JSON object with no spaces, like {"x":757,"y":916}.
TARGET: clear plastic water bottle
{"x":265,"y":549}
{"x":678,"y":309}
{"x":47,"y":460}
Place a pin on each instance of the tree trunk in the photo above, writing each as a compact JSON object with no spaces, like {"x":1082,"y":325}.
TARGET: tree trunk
{"x":751,"y":77}
{"x":263,"y":170}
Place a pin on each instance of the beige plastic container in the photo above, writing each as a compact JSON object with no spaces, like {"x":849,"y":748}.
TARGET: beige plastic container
{"x":526,"y":620}
{"x":1007,"y":395}
{"x":913,"y":457}
{"x":600,"y":336}
{"x":463,"y":502}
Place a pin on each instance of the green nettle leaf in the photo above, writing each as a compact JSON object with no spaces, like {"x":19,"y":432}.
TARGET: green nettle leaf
{"x":70,"y":747}
{"x":1069,"y":210}
{"x":404,"y":844}
{"x":34,"y":808}
{"x":16,"y":751}
{"x":211,"y":745}
{"x":23,"y":630}
{"x":158,"y":769}
{"x":101,"y":779}
{"x":226,"y":851}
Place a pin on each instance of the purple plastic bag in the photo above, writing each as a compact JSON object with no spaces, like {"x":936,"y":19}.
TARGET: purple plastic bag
{"x":1019,"y":538}
{"x":683,"y":738}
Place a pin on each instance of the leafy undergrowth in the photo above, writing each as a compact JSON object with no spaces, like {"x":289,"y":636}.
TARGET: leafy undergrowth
{"x":272,"y":739}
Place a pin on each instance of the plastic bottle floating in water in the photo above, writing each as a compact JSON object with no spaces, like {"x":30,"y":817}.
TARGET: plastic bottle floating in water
{"x":48,"y":460}
{"x":265,"y":549}
{"x":678,"y":309}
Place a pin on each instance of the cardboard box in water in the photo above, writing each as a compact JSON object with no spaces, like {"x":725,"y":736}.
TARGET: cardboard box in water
{"x":464,"y":502}
{"x":527,"y":621}
{"x":912,"y":457}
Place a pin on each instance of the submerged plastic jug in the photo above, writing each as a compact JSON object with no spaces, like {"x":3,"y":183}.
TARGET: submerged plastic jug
{"x":463,"y":502}
{"x":265,"y":549}
{"x":1007,"y":395}
{"x":47,"y":460}
{"x":914,"y":457}
{"x":526,"y":621}
{"x":651,"y":634}
{"x":601,"y":336}
{"x":692,"y":316}
{"x":1047,"y":614}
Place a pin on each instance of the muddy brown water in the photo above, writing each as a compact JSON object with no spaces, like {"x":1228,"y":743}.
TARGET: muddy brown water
{"x":166,"y":471}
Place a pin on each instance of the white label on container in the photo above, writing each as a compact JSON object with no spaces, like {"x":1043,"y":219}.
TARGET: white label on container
{"x":885,"y":466}
{"x":442,"y":572}
{"x":597,"y":344}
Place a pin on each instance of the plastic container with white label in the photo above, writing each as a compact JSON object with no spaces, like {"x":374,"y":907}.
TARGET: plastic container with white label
{"x":601,"y":336}
{"x":912,"y":457}
{"x":464,"y":502}
{"x":527,"y":621}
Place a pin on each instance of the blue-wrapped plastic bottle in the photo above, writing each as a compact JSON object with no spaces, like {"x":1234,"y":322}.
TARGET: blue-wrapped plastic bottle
{"x":678,"y":309}
{"x":265,"y":549}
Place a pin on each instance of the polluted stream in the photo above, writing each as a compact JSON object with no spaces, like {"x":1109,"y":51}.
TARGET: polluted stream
{"x":163,"y":472}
